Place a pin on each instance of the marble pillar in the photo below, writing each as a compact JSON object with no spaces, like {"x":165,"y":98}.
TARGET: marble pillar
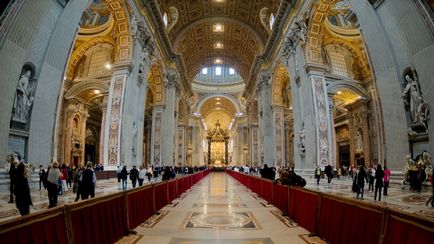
{"x":157,"y":115}
{"x":169,"y":121}
{"x":279,"y":133}
{"x":266,"y":122}
{"x":334,"y":147}
{"x":324,"y":145}
{"x":112,"y":134}
{"x":103,"y":145}
{"x":181,"y":147}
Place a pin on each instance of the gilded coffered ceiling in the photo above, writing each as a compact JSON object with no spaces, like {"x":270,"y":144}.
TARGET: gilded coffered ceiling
{"x":193,"y":32}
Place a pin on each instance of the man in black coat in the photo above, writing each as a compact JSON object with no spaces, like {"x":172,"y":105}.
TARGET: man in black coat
{"x":12,"y":177}
{"x":87,"y":182}
{"x":134,"y":175}
{"x":328,"y":170}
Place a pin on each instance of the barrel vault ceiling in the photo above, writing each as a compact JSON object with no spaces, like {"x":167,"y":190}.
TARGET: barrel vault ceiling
{"x":194,"y":33}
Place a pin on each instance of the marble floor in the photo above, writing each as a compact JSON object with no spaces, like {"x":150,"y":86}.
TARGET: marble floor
{"x":219,"y":210}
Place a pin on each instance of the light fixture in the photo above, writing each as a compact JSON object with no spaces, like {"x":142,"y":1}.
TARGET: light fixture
{"x":290,"y":108}
{"x":218,"y":103}
{"x":217,"y":98}
{"x":218,"y":28}
{"x":218,"y":45}
{"x":339,"y":92}
{"x":108,"y":66}
{"x":218,"y":61}
{"x":96,"y":91}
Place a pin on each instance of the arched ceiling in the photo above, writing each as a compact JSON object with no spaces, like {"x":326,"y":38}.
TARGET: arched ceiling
{"x":217,"y":108}
{"x":194,"y":36}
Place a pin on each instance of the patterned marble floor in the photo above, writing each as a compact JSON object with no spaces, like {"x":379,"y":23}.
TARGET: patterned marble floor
{"x":219,"y":210}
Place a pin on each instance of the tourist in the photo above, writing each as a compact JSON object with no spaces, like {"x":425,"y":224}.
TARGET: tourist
{"x":87,"y":182}
{"x":420,"y":177}
{"x":283,"y":177}
{"x":360,"y":177}
{"x":387,"y":174}
{"x":124,"y":177}
{"x":267,"y":173}
{"x":134,"y":175}
{"x":167,"y":175}
{"x":142,"y":175}
{"x":63,"y":179}
{"x":41,"y":177}
{"x":371,"y":177}
{"x":119,"y":173}
{"x":70,"y":176}
{"x":53,"y":184}
{"x":149,"y":172}
{"x":22,"y":191}
{"x":12,"y":175}
{"x":379,"y":174}
{"x":317,"y":174}
{"x":328,"y":171}
{"x":76,"y":177}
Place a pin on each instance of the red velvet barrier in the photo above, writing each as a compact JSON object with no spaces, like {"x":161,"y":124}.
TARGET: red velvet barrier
{"x":173,"y":189}
{"x":99,"y":220}
{"x":404,"y":229}
{"x":256,"y":185}
{"x":161,"y":196}
{"x":348,"y":221}
{"x":267,"y":190}
{"x":181,"y":185}
{"x":140,"y":206}
{"x":303,"y":208}
{"x":280,"y":197}
{"x":45,"y":227}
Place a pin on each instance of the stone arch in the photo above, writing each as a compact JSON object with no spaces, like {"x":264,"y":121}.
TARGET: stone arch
{"x":232,"y":99}
{"x":335,"y":86}
{"x":122,"y":30}
{"x":155,"y":79}
{"x":316,"y":20}
{"x":78,"y":54}
{"x":280,"y":80}
{"x":81,"y":87}
{"x":357,"y":54}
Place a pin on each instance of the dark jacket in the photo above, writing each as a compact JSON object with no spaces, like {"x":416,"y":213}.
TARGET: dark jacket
{"x":124,"y":174}
{"x":361,"y":177}
{"x":22,"y":192}
{"x":134,"y":174}
{"x":379,"y":174}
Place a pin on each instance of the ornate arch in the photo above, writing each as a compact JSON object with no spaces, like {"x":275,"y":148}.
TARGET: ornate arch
{"x":81,"y":50}
{"x":335,"y":86}
{"x":280,"y":78}
{"x":318,"y":16}
{"x":122,"y":30}
{"x":81,"y":87}
{"x":357,"y":54}
{"x":155,"y":79}
{"x":228,"y":97}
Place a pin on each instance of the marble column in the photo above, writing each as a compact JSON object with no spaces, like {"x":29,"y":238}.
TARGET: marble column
{"x":157,"y":115}
{"x":67,"y":145}
{"x":324,"y":145}
{"x":113,"y":123}
{"x":333,"y":145}
{"x":181,"y":146}
{"x":102,"y":144}
{"x":279,"y":133}
{"x":169,"y":121}
{"x":254,"y":147}
{"x":351,"y":129}
{"x":85,"y":116}
{"x":366,"y":137}
{"x":266,"y":121}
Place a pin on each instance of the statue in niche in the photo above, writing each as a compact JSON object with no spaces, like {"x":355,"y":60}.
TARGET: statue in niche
{"x":419,"y":109}
{"x":23,"y":97}
{"x":301,"y":144}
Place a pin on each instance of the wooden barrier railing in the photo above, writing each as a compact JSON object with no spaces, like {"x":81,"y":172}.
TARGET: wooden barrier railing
{"x":341,"y":220}
{"x":103,"y":219}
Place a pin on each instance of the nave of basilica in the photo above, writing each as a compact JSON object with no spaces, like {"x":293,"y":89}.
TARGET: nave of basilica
{"x":298,"y":84}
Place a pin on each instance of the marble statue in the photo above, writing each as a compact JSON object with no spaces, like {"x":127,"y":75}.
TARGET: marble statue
{"x":134,"y":143}
{"x":301,"y":144}
{"x":134,"y":27}
{"x":23,"y":98}
{"x":419,"y":109}
{"x":411,"y":96}
{"x":409,"y":165}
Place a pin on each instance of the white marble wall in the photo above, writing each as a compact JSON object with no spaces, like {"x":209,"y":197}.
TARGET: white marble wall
{"x":43,"y":34}
{"x":396,"y":37}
